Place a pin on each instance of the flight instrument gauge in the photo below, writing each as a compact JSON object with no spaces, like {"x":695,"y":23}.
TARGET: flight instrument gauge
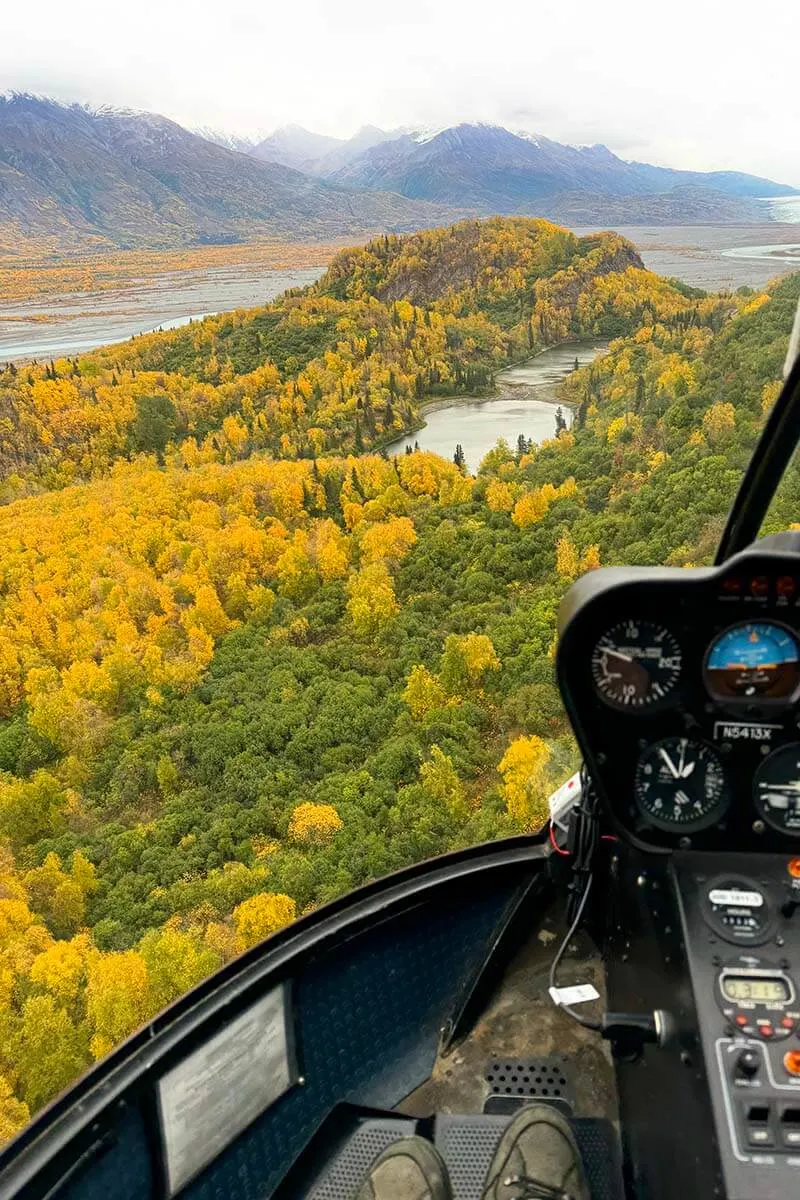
{"x":635,"y":664}
{"x":776,"y":789}
{"x":753,"y":661}
{"x":680,"y":785}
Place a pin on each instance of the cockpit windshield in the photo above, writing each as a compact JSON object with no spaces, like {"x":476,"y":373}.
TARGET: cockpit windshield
{"x":334,"y":348}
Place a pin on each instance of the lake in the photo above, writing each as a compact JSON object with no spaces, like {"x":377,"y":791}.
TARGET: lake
{"x":526,"y":401}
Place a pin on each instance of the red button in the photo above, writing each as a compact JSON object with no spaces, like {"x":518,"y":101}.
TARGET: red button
{"x":759,"y":585}
{"x":741,"y":1019}
{"x":787,"y":1022}
{"x":785,"y":585}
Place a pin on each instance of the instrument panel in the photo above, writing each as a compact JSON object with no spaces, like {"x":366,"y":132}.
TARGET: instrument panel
{"x":682,"y":686}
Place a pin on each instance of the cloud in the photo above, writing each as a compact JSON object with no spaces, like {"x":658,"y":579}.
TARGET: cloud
{"x":688,"y":86}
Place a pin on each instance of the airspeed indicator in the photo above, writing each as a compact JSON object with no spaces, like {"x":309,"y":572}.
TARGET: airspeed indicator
{"x":635,"y":664}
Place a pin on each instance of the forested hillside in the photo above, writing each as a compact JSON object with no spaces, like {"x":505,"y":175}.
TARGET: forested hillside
{"x":248,"y":662}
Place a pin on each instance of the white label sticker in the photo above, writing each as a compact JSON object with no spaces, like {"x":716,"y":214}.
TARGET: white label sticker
{"x":736,"y":898}
{"x":579,"y":994}
{"x":209,"y":1098}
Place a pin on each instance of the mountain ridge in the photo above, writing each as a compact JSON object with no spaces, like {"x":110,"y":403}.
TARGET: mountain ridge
{"x":124,"y":178}
{"x":495,"y":170}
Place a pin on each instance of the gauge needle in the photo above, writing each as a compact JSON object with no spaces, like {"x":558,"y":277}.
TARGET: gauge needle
{"x":683,"y":755}
{"x":687,"y":770}
{"x":791,"y":785}
{"x":675,"y":772}
{"x":619,"y":654}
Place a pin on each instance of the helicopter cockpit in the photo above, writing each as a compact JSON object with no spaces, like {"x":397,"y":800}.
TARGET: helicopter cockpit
{"x":636,"y":965}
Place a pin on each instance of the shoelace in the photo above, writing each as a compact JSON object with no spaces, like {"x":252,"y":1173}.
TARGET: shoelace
{"x":534,"y":1189}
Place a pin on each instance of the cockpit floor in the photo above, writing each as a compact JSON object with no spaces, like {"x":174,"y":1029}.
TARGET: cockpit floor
{"x":522,"y":1022}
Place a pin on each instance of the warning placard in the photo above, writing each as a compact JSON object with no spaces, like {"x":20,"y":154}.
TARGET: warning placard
{"x":209,"y":1098}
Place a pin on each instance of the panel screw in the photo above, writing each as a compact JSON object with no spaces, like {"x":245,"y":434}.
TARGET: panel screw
{"x":301,"y":1080}
{"x":758,"y":826}
{"x":641,"y":880}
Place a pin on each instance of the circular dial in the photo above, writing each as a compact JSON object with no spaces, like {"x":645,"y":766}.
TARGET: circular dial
{"x":754,"y":661}
{"x":680,"y":784}
{"x":635,"y":664}
{"x":776,"y":789}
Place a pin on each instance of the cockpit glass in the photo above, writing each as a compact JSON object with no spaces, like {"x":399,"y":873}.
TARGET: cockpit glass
{"x":337,"y":342}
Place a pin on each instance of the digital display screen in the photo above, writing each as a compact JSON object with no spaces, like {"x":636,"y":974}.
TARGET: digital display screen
{"x":755,"y":989}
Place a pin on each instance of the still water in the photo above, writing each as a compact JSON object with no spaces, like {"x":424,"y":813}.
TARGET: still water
{"x":525,"y":403}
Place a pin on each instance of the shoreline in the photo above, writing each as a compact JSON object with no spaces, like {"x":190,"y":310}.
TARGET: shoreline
{"x":505,"y":391}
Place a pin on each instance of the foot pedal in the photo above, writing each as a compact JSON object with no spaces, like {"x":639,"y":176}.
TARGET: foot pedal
{"x":342,"y":1178}
{"x":521,"y":1080}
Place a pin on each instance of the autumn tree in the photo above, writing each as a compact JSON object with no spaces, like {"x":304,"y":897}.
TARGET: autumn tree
{"x":423,"y":692}
{"x":262,"y":915}
{"x":523,"y":768}
{"x":372,"y":602}
{"x":314,"y":824}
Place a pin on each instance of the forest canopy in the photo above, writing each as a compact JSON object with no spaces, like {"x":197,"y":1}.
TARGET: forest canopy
{"x":249,"y":662}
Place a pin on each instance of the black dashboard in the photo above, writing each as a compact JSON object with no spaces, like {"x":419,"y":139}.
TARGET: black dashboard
{"x":682,"y":686}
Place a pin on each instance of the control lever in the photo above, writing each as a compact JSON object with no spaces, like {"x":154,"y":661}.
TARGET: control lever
{"x":630,"y":1032}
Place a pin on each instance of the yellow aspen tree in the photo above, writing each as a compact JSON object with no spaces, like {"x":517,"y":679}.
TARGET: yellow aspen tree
{"x":440,"y":779}
{"x":389,"y":541}
{"x":719,"y":421}
{"x":523,"y":767}
{"x":423,"y":692}
{"x":567,"y":565}
{"x":314,"y":824}
{"x":372,"y":602}
{"x":529,"y":509}
{"x":466,"y":661}
{"x":14,"y":1114}
{"x":258,"y":917}
{"x":499,"y":497}
{"x":117,"y":995}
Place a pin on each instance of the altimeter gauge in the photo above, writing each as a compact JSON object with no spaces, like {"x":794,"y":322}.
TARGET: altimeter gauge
{"x":636,"y":664}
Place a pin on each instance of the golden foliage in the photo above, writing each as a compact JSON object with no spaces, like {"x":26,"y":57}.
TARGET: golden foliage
{"x":719,"y":421}
{"x":372,"y":602}
{"x":441,"y":781}
{"x":567,"y":564}
{"x":314,"y":824}
{"x":523,"y":767}
{"x":423,"y":692}
{"x":260,"y":916}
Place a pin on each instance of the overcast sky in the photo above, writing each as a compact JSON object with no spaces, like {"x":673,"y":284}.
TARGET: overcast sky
{"x":688,"y":83}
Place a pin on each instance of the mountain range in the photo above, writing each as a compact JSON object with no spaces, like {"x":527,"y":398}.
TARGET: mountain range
{"x":76,"y":177}
{"x":487,"y":165}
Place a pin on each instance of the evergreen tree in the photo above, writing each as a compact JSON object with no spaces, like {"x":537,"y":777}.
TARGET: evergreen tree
{"x":458,"y":457}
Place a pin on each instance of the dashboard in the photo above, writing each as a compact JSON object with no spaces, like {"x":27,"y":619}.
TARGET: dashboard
{"x":683,"y":688}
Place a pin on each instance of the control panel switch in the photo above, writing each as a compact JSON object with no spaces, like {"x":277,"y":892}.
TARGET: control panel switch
{"x":748,"y":1063}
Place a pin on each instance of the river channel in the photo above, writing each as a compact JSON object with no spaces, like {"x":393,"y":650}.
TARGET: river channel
{"x":524,"y":402}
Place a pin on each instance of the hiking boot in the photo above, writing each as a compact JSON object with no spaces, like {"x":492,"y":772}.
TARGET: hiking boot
{"x":537,"y":1158}
{"x":409,"y":1169}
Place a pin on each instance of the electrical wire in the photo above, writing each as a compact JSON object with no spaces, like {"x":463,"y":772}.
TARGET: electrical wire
{"x":585,"y":1021}
{"x":554,"y":842}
